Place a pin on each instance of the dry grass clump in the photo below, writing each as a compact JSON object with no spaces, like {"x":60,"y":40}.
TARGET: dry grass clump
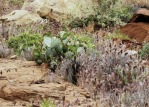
{"x":112,"y":72}
{"x":4,"y":50}
{"x":138,"y":96}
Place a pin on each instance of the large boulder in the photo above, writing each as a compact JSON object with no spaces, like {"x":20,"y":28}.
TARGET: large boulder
{"x":74,"y":7}
{"x":138,"y":26}
{"x":34,"y":10}
{"x":20,"y":17}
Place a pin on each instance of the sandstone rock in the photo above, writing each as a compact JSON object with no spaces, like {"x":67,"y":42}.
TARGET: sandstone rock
{"x":20,"y":82}
{"x":52,"y":9}
{"x":138,"y":26}
{"x":39,"y":91}
{"x":14,"y":15}
{"x":74,"y":7}
{"x":20,"y":17}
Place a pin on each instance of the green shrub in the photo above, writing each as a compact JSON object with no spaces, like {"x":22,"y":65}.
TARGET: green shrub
{"x":117,"y":35}
{"x":47,"y":103}
{"x":144,"y":52}
{"x":113,"y":12}
{"x":25,"y":41}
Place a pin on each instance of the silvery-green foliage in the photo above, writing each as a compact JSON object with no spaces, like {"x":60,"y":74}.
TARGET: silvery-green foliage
{"x":4,"y":50}
{"x":27,"y":53}
{"x":64,"y":45}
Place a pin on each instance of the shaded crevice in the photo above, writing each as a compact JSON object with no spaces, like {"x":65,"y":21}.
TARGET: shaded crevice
{"x":141,"y":18}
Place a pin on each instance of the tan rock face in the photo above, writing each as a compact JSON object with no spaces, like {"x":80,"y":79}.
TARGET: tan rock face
{"x":63,"y":6}
{"x":138,"y":26}
{"x":51,"y":9}
{"x":23,"y":83}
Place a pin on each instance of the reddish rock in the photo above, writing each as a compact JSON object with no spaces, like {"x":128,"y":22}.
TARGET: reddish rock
{"x":138,"y":26}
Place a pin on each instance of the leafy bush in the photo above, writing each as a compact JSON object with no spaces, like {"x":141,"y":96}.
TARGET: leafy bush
{"x":113,"y":12}
{"x":144,"y":53}
{"x":25,"y":43}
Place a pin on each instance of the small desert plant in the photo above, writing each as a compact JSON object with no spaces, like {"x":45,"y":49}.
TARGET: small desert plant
{"x":47,"y":103}
{"x":144,"y":52}
{"x":69,"y":69}
{"x":117,"y":35}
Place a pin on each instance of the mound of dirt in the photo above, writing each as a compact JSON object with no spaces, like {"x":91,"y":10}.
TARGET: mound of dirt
{"x":138,"y":26}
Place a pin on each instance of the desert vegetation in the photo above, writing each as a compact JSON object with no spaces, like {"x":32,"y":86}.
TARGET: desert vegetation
{"x":98,"y":61}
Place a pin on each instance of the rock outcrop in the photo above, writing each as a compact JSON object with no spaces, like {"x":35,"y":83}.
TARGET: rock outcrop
{"x":24,"y":83}
{"x":58,"y":10}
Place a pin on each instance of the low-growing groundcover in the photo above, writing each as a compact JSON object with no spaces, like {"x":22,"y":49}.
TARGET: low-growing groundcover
{"x":24,"y":41}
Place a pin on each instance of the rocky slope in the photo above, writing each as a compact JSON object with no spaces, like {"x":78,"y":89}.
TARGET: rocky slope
{"x":23,"y":83}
